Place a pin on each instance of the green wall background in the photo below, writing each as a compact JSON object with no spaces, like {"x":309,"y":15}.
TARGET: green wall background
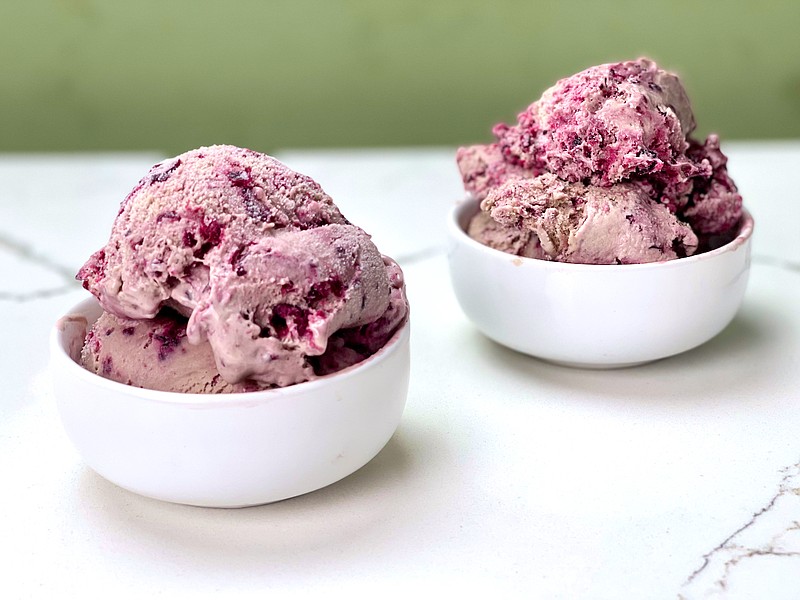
{"x":149,"y":74}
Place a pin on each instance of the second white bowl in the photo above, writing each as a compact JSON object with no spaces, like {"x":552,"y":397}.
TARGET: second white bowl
{"x":597,"y":316}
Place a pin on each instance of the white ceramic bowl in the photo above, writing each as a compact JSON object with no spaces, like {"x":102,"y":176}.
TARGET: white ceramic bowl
{"x":597,"y":316}
{"x":229,"y":450}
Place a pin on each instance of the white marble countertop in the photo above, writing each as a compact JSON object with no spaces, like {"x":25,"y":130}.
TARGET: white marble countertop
{"x":508,"y":475}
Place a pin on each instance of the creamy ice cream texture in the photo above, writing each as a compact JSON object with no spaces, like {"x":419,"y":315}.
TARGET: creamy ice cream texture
{"x":602,"y":169}
{"x":227,"y":271}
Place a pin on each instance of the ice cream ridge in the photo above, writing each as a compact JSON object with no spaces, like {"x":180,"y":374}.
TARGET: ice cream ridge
{"x":602,"y":169}
{"x":226,"y":271}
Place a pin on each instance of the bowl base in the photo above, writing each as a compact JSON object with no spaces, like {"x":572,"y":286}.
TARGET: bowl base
{"x":596,"y":366}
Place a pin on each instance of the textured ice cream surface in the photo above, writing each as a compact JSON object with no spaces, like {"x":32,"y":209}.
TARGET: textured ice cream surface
{"x":351,"y":345}
{"x":285,"y":296}
{"x":154,"y":354}
{"x":590,"y":224}
{"x":606,"y":124}
{"x":187,"y":215}
{"x":255,"y":258}
{"x":622,"y":124}
{"x":715,"y":205}
{"x":511,"y":239}
{"x":483,"y":167}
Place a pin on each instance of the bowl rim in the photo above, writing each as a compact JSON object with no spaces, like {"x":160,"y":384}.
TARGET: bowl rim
{"x":59,"y":354}
{"x":470,"y":204}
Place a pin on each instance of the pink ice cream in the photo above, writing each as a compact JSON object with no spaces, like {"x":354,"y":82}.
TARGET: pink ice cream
{"x":580,"y":223}
{"x":512,"y":239}
{"x":242,"y":260}
{"x":154,"y":354}
{"x":625,"y":123}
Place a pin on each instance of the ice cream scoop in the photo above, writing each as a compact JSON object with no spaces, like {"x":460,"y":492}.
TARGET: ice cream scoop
{"x":607,"y":124}
{"x":626,"y":123}
{"x":247,"y":257}
{"x":580,"y":223}
{"x":187,"y":217}
{"x":156,"y":353}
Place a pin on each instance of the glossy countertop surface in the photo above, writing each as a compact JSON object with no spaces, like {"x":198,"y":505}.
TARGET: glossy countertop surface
{"x":508,"y":475}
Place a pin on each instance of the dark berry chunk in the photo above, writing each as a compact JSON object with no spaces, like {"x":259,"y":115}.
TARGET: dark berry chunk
{"x":286,"y":317}
{"x":108,"y":365}
{"x":162,"y":171}
{"x":169,"y":338}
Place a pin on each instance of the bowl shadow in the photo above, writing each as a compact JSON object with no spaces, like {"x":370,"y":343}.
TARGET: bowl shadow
{"x":745,"y":355}
{"x":289,"y":534}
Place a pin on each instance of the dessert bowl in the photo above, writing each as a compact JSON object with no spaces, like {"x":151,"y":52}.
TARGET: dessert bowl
{"x":597,"y":316}
{"x":227,"y":450}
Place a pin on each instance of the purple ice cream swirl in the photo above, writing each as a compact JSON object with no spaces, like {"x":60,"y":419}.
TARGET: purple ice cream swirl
{"x":623,"y":123}
{"x":249,"y":257}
